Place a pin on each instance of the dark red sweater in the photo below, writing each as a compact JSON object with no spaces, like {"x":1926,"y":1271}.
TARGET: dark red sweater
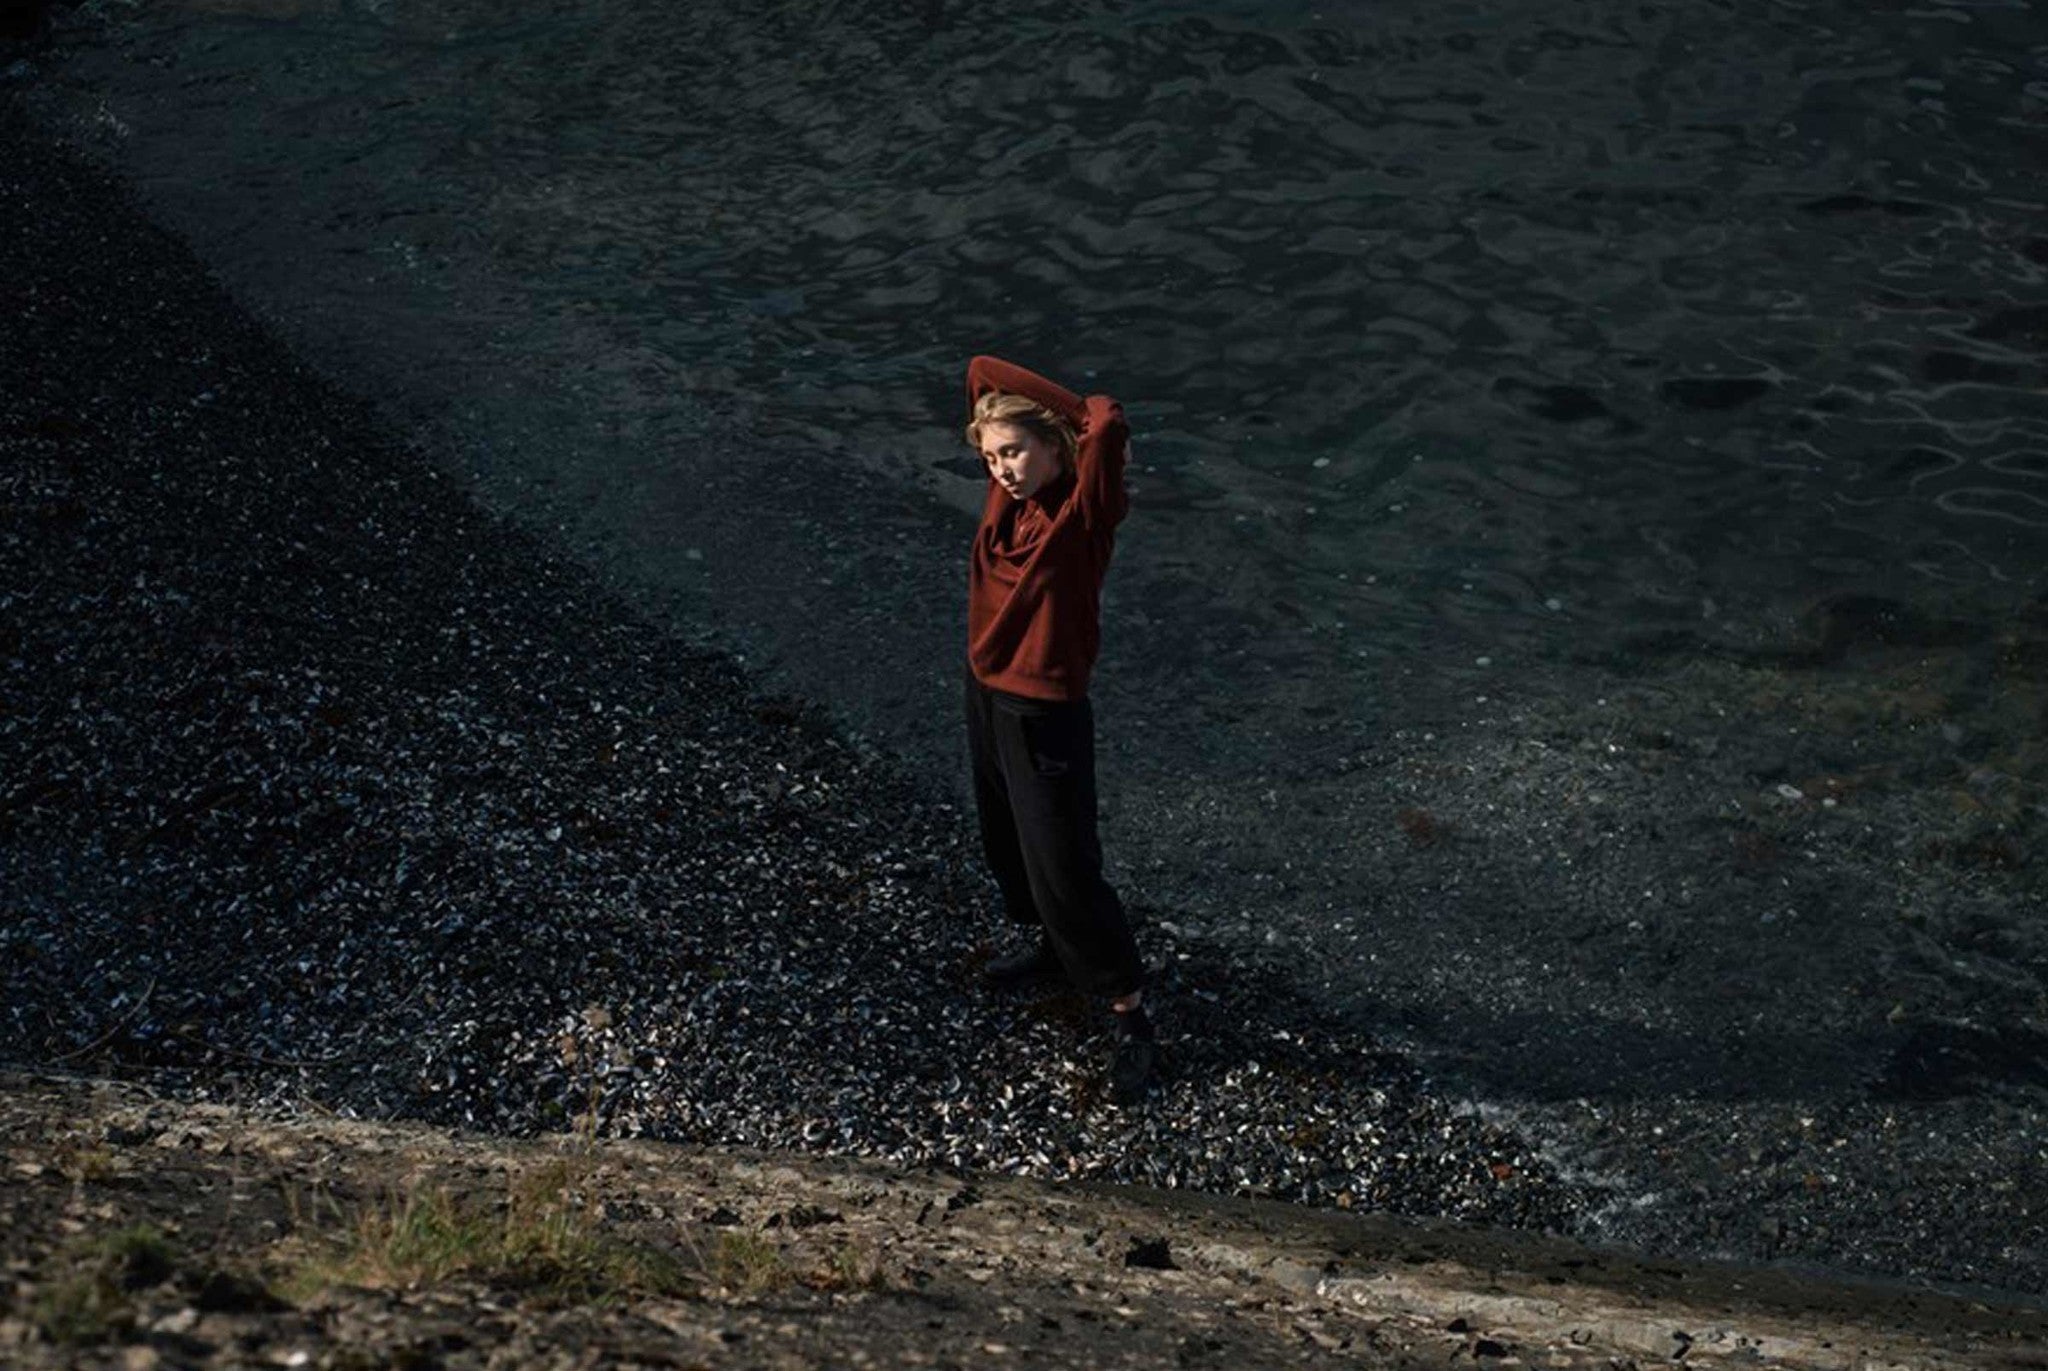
{"x":1034,"y":586}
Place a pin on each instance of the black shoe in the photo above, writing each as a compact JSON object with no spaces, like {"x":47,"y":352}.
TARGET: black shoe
{"x":1134,"y":1066}
{"x":1036,"y":963}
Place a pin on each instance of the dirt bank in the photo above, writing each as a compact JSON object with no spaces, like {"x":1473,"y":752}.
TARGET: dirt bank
{"x":140,"y":1231}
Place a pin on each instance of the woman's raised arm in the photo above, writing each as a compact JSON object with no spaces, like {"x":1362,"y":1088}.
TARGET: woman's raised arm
{"x":985,"y":374}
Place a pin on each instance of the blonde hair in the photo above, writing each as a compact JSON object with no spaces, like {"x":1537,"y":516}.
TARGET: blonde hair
{"x":1001,"y":407}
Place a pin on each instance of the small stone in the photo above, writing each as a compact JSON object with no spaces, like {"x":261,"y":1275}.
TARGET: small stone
{"x":1151,"y":1254}
{"x":224,"y":1292}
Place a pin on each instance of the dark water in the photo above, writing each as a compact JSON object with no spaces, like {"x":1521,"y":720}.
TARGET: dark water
{"x":1449,"y":319}
{"x":1452,"y":314}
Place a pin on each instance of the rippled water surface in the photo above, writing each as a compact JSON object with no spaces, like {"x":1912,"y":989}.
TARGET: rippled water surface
{"x":1447,"y":310}
{"x":1428,"y":316}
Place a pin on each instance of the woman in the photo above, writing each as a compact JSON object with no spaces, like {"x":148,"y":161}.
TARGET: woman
{"x":1034,"y":587}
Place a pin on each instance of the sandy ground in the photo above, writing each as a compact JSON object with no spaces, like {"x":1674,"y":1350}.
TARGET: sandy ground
{"x":847,"y":1265}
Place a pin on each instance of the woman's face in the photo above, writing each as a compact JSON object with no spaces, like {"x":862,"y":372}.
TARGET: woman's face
{"x":1020,"y":461}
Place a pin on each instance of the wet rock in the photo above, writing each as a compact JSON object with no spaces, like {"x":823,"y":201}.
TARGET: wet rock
{"x":23,"y":21}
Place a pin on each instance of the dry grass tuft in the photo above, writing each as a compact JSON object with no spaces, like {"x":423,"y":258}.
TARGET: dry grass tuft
{"x":82,"y":1164}
{"x":545,"y":1236}
{"x":851,"y":1266}
{"x":747,"y":1264}
{"x":90,"y":1298}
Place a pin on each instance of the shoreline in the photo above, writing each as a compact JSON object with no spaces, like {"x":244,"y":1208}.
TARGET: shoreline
{"x":492,"y":850}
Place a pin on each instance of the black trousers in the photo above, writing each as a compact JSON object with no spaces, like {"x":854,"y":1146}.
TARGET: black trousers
{"x":1034,"y":789}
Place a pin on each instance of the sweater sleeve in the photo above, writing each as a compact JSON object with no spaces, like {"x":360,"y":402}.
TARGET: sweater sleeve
{"x":985,"y":374}
{"x":1099,"y":464}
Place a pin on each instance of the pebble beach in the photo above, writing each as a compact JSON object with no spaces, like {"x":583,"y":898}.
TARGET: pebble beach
{"x":341,"y":775}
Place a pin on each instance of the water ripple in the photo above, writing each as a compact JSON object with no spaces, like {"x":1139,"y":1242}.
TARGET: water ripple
{"x":1392,"y":288}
